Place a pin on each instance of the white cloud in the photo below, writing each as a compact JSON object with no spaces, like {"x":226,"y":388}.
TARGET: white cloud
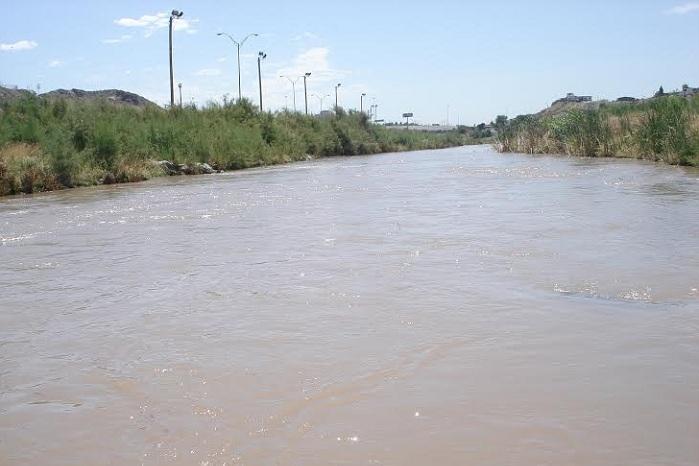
{"x":222,"y":60}
{"x":315,"y":61}
{"x":305,"y":36}
{"x":118,"y":40}
{"x":19,"y":45}
{"x":157,"y":21}
{"x":208,"y":72}
{"x":55,"y":63}
{"x":684,"y":9}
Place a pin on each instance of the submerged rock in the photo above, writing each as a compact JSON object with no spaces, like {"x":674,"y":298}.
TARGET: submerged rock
{"x":109,"y":178}
{"x":204,"y":169}
{"x":169,"y":167}
{"x":186,"y":169}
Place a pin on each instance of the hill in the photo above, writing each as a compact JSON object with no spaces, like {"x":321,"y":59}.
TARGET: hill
{"x":116,"y":96}
{"x":563,"y":106}
{"x":9,"y":94}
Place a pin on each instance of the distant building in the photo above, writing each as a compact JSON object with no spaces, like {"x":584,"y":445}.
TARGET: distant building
{"x":627,"y":99}
{"x":687,"y":91}
{"x":570,"y":97}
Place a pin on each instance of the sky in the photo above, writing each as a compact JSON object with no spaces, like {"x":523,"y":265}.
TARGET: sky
{"x":464,"y":61}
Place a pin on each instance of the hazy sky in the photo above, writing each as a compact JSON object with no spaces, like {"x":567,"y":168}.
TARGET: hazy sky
{"x":477,"y":58}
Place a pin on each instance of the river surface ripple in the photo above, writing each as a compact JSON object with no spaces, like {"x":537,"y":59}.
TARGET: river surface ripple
{"x":444,"y":307}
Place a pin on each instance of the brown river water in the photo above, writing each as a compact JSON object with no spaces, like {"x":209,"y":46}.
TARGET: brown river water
{"x":454,"y":307}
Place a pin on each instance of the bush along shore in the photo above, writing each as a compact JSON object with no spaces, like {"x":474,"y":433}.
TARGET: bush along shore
{"x":54,"y":144}
{"x":662,"y":129}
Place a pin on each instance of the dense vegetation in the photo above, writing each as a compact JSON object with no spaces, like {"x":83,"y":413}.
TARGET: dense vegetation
{"x":47,"y":145}
{"x":661,"y":129}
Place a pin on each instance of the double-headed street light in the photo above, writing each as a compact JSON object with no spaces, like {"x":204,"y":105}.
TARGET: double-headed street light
{"x":173,"y":16}
{"x":320,"y":98}
{"x":337,"y":86}
{"x":293,"y":87}
{"x":238,"y":45}
{"x":260,"y":56}
{"x":293,"y":82}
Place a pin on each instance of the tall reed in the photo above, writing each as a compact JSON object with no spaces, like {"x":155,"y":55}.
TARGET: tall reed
{"x":52,"y":144}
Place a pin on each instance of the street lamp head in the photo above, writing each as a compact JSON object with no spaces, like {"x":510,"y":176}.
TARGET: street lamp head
{"x":262,"y":55}
{"x":363,"y":94}
{"x":338,"y":84}
{"x":176,"y":14}
{"x":308,"y":74}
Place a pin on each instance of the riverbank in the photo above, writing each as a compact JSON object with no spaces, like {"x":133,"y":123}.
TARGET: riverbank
{"x":664,"y":129}
{"x":56,"y":144}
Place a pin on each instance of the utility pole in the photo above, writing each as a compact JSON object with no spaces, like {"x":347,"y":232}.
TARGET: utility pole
{"x":361,"y":102}
{"x":260,"y":56}
{"x":336,"y":99}
{"x":305,"y":90}
{"x":179,"y":85}
{"x":174,"y":15}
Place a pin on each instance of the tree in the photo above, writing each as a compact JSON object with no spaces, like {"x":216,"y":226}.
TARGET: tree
{"x":661,"y":92}
{"x":500,"y":122}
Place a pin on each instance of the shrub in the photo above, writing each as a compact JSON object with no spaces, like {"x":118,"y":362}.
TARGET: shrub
{"x":106,"y":145}
{"x":44,"y":145}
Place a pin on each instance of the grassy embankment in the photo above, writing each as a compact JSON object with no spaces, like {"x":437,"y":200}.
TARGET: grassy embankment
{"x":47,"y":145}
{"x":662,"y":129}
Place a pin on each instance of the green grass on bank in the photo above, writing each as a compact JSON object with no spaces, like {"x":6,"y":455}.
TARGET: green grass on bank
{"x":662,"y":129}
{"x":46,"y":145}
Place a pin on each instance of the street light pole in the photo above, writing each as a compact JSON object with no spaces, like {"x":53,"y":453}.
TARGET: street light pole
{"x":361,"y":102}
{"x":336,"y":99}
{"x":238,"y":45}
{"x":240,"y":91}
{"x":305,"y":90}
{"x":320,"y":98}
{"x":260,"y":56}
{"x":293,"y":87}
{"x":179,"y":85}
{"x":174,"y":15}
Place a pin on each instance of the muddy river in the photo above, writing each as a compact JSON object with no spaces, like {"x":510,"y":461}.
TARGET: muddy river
{"x":454,"y":307}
